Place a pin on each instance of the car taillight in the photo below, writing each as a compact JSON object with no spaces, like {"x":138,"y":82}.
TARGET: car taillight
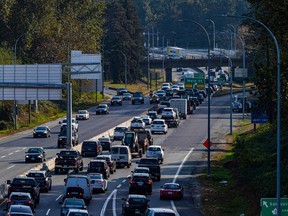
{"x":132,"y":182}
{"x":29,"y":203}
{"x":149,"y":182}
{"x":9,"y":201}
{"x":75,"y":162}
{"x":100,"y":181}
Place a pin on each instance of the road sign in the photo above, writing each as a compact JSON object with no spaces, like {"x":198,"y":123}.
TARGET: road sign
{"x":194,"y":82}
{"x":269,"y":206}
{"x":259,"y":116}
{"x":206,"y":143}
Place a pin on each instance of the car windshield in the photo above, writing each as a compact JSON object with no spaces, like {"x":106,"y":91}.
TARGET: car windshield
{"x":160,"y":92}
{"x":41,"y":128}
{"x":36,"y":175}
{"x":34,"y":150}
{"x":164,"y":214}
{"x":78,"y":214}
{"x":19,"y":197}
{"x":16,"y":209}
{"x":141,"y":171}
{"x":102,"y":106}
{"x":65,"y":121}
{"x":73,"y":202}
{"x":116,"y":98}
{"x":171,"y":186}
{"x":82,"y":112}
{"x":120,"y":129}
{"x":137,"y":200}
{"x":154,"y":149}
{"x":95,"y":176}
{"x":126,"y":94}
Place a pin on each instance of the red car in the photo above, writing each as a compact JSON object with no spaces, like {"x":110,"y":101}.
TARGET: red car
{"x":171,"y":191}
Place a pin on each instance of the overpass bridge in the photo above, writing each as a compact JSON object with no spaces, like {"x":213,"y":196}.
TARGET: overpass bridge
{"x":191,"y":63}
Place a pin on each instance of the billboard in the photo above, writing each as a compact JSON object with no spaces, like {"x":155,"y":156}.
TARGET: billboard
{"x":31,"y":82}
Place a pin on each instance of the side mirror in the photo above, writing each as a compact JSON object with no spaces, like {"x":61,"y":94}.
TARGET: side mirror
{"x":129,"y":177}
{"x":163,"y":149}
{"x":65,"y":180}
{"x":8,"y":182}
{"x":26,"y":152}
{"x":59,"y":122}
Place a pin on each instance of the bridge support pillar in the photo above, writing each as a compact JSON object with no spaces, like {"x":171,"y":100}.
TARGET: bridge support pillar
{"x":168,"y":74}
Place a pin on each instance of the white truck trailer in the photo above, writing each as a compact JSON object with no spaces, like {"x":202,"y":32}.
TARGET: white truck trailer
{"x":181,"y":105}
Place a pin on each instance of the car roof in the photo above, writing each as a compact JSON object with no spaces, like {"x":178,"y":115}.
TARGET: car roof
{"x":97,"y":160}
{"x":162,"y":210}
{"x":141,"y":174}
{"x":136,"y":196}
{"x":162,"y":120}
{"x":20,"y":194}
{"x":171,"y":183}
{"x":37,"y":171}
{"x":141,"y":168}
{"x":78,"y":210}
{"x":155,"y":146}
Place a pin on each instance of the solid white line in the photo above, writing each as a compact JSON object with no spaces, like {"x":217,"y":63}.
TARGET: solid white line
{"x":47,"y":213}
{"x":106,"y":202}
{"x":58,"y":197}
{"x":119,"y":186}
{"x":3,"y":156}
{"x":24,"y":147}
{"x":124,"y":181}
{"x":176,"y":176}
{"x":10,"y":167}
{"x":114,"y":204}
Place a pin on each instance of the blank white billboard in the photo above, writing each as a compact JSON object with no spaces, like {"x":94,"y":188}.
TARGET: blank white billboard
{"x":94,"y":70}
{"x":39,"y":76}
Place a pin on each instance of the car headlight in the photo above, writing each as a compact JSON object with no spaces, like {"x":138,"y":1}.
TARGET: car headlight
{"x":39,"y":156}
{"x":27,"y":156}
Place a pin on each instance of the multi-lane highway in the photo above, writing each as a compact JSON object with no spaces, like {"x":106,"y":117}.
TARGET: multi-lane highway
{"x":184,"y":157}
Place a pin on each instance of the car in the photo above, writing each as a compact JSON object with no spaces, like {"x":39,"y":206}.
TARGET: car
{"x":99,"y":166}
{"x":98,"y":182}
{"x":164,"y":104}
{"x":74,"y":124}
{"x":42,"y":177}
{"x":149,"y":136}
{"x":119,"y":132}
{"x":137,"y":123}
{"x":62,"y":137}
{"x":138,"y":98}
{"x":175,"y":88}
{"x":82,"y":115}
{"x":140,"y":183}
{"x":135,"y":204}
{"x":106,"y":143}
{"x":161,"y":94}
{"x":77,"y":212}
{"x":168,"y":112}
{"x":121,"y":91}
{"x":169,"y":92}
{"x":159,"y":211}
{"x":147,"y":120}
{"x":127,"y":96}
{"x":181,"y":86}
{"x":159,"y":126}
{"x":111,"y":163}
{"x":116,"y":100}
{"x":42,"y":131}
{"x":154,"y":99}
{"x":102,"y":109}
{"x":20,"y":210}
{"x":152,"y":114}
{"x":141,"y":170}
{"x":155,"y":151}
{"x":171,"y":191}
{"x":20,"y":198}
{"x":165,"y":86}
{"x":71,"y":203}
{"x":91,"y":148}
{"x":35,"y":154}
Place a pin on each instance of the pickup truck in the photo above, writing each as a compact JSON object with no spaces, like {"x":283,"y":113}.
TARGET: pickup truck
{"x":153,"y":165}
{"x":67,"y":160}
{"x":25,"y":184}
{"x":74,"y":123}
{"x":62,"y":137}
{"x":143,"y":140}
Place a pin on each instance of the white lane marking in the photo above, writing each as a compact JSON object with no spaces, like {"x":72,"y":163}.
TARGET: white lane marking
{"x":17,"y":150}
{"x":10,"y":153}
{"x":106,"y":202}
{"x":119,"y":186}
{"x":114,"y":204}
{"x":10,"y":167}
{"x":47,"y":213}
{"x":124,"y":181}
{"x":58,"y":197}
{"x":24,"y":147}
{"x":3,"y":156}
{"x":176,"y":176}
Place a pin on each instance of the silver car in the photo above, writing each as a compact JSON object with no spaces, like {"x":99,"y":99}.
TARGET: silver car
{"x":98,"y":182}
{"x":155,"y":151}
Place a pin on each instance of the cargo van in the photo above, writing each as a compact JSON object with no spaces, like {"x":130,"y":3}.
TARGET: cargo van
{"x":91,"y":148}
{"x":122,"y":155}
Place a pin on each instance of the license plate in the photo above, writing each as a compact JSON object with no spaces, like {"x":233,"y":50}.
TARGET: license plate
{"x":32,"y":158}
{"x":74,"y":193}
{"x":170,"y":192}
{"x":140,"y":183}
{"x":121,"y":157}
{"x":137,"y":211}
{"x":65,"y":166}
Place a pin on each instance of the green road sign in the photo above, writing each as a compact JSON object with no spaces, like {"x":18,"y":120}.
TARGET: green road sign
{"x":269,"y":206}
{"x":199,"y":75}
{"x":198,"y":83}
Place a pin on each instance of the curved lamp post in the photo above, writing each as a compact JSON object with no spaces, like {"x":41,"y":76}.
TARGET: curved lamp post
{"x":208,"y":44}
{"x":214,"y":33}
{"x":163,"y":55}
{"x":278,"y":104}
{"x":125,"y":57}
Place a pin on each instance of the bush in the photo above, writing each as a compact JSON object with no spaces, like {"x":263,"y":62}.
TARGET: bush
{"x":4,"y":125}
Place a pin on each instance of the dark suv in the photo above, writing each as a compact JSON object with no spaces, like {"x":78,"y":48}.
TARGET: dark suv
{"x":138,"y":98}
{"x":43,"y":178}
{"x":99,"y":166}
{"x":140,"y":182}
{"x":91,"y":148}
{"x":135,"y":204}
{"x":111,"y":163}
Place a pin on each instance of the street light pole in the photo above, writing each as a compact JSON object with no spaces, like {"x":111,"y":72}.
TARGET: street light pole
{"x":163,"y":55}
{"x":209,"y":111}
{"x":214,"y":33}
{"x":278,"y":187}
{"x":125,"y":58}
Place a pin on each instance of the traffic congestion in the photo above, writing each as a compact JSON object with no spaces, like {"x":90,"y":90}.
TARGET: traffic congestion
{"x":134,"y":154}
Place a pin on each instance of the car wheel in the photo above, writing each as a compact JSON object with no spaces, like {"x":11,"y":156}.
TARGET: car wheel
{"x":50,"y":187}
{"x":128,"y":165}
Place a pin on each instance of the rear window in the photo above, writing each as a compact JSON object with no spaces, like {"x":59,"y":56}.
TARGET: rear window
{"x":137,"y":200}
{"x":120,"y":129}
{"x":154,"y":149}
{"x":76,"y":181}
{"x":140,"y":179}
{"x":114,"y":150}
{"x":19,"y":197}
{"x":164,"y":214}
{"x":94,"y":165}
{"x":16,"y":209}
{"x":88,"y":145}
{"x":73,"y":202}
{"x":36,"y":175}
{"x":158,"y":122}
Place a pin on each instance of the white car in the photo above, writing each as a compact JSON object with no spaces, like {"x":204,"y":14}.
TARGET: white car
{"x":137,"y":123}
{"x":82,"y":114}
{"x":175,"y":88}
{"x":77,"y":212}
{"x":147,"y":120}
{"x":168,"y":112}
{"x":155,"y":151}
{"x":159,"y":126}
{"x":119,"y":132}
{"x":74,"y":123}
{"x":160,"y":211}
{"x":98,"y":182}
{"x":165,"y":86}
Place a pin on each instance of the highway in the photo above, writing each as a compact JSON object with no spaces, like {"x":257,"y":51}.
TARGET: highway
{"x":185,"y":156}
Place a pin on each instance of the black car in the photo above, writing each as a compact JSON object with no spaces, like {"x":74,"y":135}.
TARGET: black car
{"x":91,"y":148}
{"x":152,"y":114}
{"x":135,"y":205}
{"x":102,"y":109}
{"x":43,"y":178}
{"x":71,"y":203}
{"x":62,"y":137}
{"x":116,"y":100}
{"x":140,"y":183}
{"x":111,"y":163}
{"x":138,"y":98}
{"x":99,"y":166}
{"x":121,"y":91}
{"x":42,"y":131}
{"x":106,"y":143}
{"x":35,"y":154}
{"x":20,"y":198}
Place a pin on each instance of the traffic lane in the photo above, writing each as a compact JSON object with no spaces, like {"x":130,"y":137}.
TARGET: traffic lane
{"x":87,"y":130}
